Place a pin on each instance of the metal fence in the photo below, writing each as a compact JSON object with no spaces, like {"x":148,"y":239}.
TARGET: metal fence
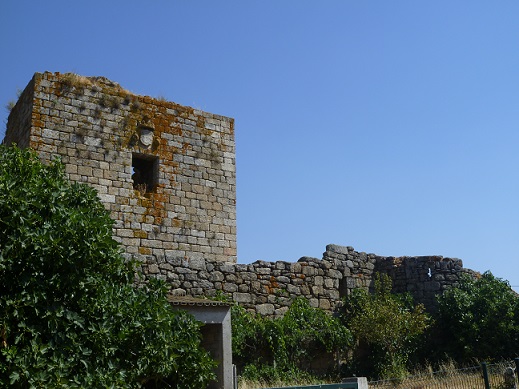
{"x":488,"y":376}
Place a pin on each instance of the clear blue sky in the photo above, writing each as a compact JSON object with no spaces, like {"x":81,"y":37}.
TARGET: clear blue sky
{"x":389,"y":126}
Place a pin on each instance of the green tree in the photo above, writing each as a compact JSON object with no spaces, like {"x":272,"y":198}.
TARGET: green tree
{"x":283,"y":348}
{"x":385,"y":326}
{"x":479,"y":319}
{"x":70,"y":315}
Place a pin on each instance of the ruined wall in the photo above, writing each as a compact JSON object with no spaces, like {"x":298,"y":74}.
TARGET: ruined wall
{"x":424,"y":277}
{"x":268,"y":288}
{"x":166,"y":172}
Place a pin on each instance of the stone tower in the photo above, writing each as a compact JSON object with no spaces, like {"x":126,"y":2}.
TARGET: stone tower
{"x":166,"y":172}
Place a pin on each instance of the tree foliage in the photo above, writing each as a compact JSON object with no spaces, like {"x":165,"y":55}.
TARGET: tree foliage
{"x":387,"y":324}
{"x":283,"y":348}
{"x":70,"y":315}
{"x":479,"y":319}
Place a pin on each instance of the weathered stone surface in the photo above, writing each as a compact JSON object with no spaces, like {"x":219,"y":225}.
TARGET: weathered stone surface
{"x":281,"y":311}
{"x":309,"y":270}
{"x":317,"y":290}
{"x":332,"y":273}
{"x":283,"y":279}
{"x":228,"y":287}
{"x":135,"y":151}
{"x":293,"y":290}
{"x":242,"y":297}
{"x":197,"y":264}
{"x":324,"y":304}
{"x":337,"y":249}
{"x":330,"y":283}
{"x":244,"y":288}
{"x":216,"y":276}
{"x":153,"y":269}
{"x":265,"y":309}
{"x":228,"y":268}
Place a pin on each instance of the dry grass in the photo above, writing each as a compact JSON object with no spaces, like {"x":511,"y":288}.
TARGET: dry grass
{"x":75,"y":81}
{"x":247,"y":384}
{"x":448,"y":375}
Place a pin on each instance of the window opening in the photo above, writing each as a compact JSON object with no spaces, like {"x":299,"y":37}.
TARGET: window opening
{"x":145,"y":170}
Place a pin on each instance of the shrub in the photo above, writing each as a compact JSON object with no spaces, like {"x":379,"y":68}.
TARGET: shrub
{"x":283,"y":348}
{"x":70,"y":315}
{"x":479,"y":320}
{"x":387,"y":325}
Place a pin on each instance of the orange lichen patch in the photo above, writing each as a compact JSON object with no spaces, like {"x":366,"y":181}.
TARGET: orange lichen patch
{"x":167,"y":158}
{"x":36,"y":144}
{"x":142,"y":201}
{"x":185,"y":112}
{"x":154,"y":204}
{"x":175,"y":130}
{"x":144,"y":251}
{"x":157,"y":212}
{"x":162,"y":121}
{"x":123,"y":201}
{"x":207,"y":132}
{"x":272,"y":286}
{"x":140,"y":234}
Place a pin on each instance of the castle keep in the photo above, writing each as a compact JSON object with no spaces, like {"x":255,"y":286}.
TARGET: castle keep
{"x":166,"y":172}
{"x":167,"y":175}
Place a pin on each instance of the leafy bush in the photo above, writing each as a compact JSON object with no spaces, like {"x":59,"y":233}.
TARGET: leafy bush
{"x":479,"y":320}
{"x":385,"y":325}
{"x":70,"y":315}
{"x":283,"y":348}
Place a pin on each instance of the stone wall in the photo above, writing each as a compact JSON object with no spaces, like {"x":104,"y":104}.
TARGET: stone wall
{"x":424,"y":277}
{"x":20,"y":119}
{"x":269,"y":287}
{"x":166,"y":172}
